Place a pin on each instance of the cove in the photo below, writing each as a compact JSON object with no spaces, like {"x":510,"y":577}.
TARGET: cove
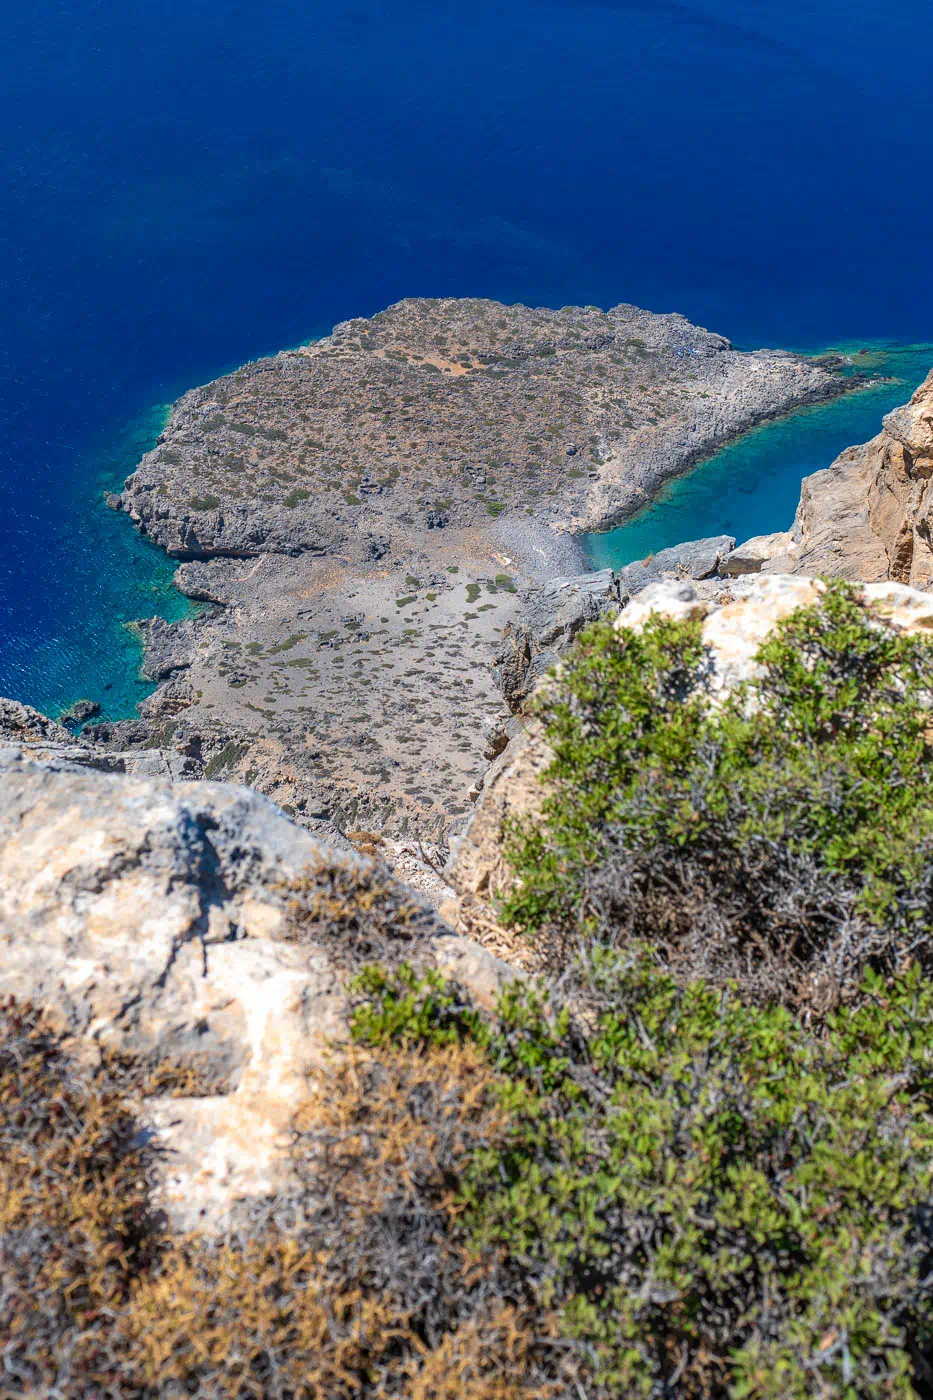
{"x":752,"y":486}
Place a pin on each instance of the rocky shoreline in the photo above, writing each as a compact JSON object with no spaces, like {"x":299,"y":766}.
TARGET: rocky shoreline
{"x":444,"y":414}
{"x":364,"y":518}
{"x":868,"y":516}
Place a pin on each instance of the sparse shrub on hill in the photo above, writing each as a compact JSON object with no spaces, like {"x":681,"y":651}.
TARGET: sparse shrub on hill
{"x":782,"y":837}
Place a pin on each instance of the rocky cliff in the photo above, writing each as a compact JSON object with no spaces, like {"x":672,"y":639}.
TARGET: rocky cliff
{"x":870,"y":515}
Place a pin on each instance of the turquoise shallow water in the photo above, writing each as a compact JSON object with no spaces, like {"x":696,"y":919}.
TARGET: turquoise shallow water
{"x":752,"y":486}
{"x":123,"y":578}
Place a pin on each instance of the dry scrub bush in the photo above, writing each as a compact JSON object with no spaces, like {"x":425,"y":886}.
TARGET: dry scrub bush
{"x":254,"y":1317}
{"x":358,"y":913}
{"x":75,"y":1222}
{"x":361,"y":1288}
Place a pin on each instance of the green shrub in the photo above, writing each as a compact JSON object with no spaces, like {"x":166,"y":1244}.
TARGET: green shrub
{"x":712,"y":1200}
{"x":204,"y":502}
{"x":227,"y":757}
{"x":294,"y":498}
{"x":782,"y":837}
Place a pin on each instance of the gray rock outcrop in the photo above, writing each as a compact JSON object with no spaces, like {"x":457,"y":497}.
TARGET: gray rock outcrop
{"x":552,"y":615}
{"x":42,"y":739}
{"x":550,"y":618}
{"x":194,"y":928}
{"x":696,"y":559}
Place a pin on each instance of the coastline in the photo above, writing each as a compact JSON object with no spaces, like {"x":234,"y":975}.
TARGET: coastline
{"x":751,"y":485}
{"x":362,"y":518}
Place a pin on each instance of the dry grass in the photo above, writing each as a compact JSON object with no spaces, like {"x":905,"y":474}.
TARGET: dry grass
{"x":359,"y":913}
{"x":362,"y":1289}
{"x":75,"y":1222}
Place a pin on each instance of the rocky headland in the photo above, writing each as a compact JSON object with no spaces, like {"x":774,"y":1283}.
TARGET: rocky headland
{"x":361,"y":519}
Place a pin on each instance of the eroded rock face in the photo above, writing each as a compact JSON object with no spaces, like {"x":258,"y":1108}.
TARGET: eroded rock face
{"x":21,"y":724}
{"x":870,"y":515}
{"x":899,"y":501}
{"x":176,"y":925}
{"x":550,"y":619}
{"x":553,"y":614}
{"x":694,"y":559}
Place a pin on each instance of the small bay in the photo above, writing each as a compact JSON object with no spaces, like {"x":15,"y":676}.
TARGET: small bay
{"x":752,"y":486}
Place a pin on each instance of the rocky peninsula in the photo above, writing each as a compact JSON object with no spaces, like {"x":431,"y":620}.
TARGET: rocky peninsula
{"x":358,"y":518}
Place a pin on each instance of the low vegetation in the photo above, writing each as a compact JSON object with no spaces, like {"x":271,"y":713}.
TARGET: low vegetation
{"x":363,"y":1288}
{"x":781,"y":837}
{"x":697,"y":1166}
{"x":712,"y":1199}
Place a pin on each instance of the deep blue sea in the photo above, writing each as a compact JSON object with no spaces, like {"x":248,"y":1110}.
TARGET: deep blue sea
{"x":187,"y":185}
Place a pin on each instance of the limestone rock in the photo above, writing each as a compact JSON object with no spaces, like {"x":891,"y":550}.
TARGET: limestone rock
{"x":512,"y":789}
{"x":751,"y":556}
{"x":158,"y":921}
{"x":696,"y":559}
{"x":673,"y":598}
{"x":21,"y":724}
{"x":870,"y":515}
{"x":472,"y":966}
{"x":36,"y":736}
{"x":81,"y":711}
{"x":736,"y":623}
